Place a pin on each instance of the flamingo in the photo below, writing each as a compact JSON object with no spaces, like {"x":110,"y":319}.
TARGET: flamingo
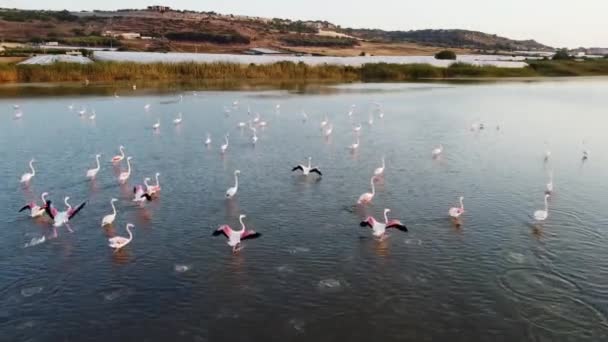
{"x":541,"y":215}
{"x":379,"y":228}
{"x":27,"y":177}
{"x":357,"y":128}
{"x":329,"y":130}
{"x":241,"y":124}
{"x":71,"y":107}
{"x":547,"y":155}
{"x":36,"y":210}
{"x":147,"y":107}
{"x":109,"y":219}
{"x":82,"y":111}
{"x":122,"y":178}
{"x":262,"y":124}
{"x":550,"y":184}
{"x":257,"y":118}
{"x":156,"y":126}
{"x":455,"y":211}
{"x":119,"y":158}
{"x":324,"y":122}
{"x":93,"y":115}
{"x":178,"y":120}
{"x":62,"y":217}
{"x":153,"y":189}
{"x":16,"y":106}
{"x":585,"y":155}
{"x":93,"y":172}
{"x":352,"y":110}
{"x":355,"y":145}
{"x":306,"y":170}
{"x":437,"y":151}
{"x":380,"y":171}
{"x":140,"y":194}
{"x":118,"y":242}
{"x":224,"y":147}
{"x":254,"y":138}
{"x":236,"y":236}
{"x":208,"y":140}
{"x":370,"y":121}
{"x":368,"y":196}
{"x":304,"y":116}
{"x":18,"y":114}
{"x":381,"y":115}
{"x":232,"y":191}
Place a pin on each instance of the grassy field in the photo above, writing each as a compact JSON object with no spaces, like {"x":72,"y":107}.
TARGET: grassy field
{"x":285,"y":71}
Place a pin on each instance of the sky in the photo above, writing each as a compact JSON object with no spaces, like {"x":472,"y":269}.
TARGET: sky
{"x":559,"y":23}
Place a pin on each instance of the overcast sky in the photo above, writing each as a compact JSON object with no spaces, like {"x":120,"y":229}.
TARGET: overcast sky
{"x":553,"y":22}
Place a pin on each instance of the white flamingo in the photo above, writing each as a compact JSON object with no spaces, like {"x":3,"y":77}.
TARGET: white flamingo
{"x":368,"y":196}
{"x":27,"y":177}
{"x":354,"y":146}
{"x":306,"y":170}
{"x":156,"y":126}
{"x":109,"y":219}
{"x":18,"y":114}
{"x":379,"y":228}
{"x":437,"y":151}
{"x":357,"y":128}
{"x":122,"y":178}
{"x":254,"y":138}
{"x":153,"y":189}
{"x":329,"y":130}
{"x":178,"y":120}
{"x":93,"y":115}
{"x":541,"y":215}
{"x":324,"y":122}
{"x":370,"y":121}
{"x":63,"y":217}
{"x":380,"y":170}
{"x":91,"y":173}
{"x":224,"y":147}
{"x":147,"y":107}
{"x":208,"y":140}
{"x":232,"y":190}
{"x":550,"y":184}
{"x":118,"y":242}
{"x":456,"y":211}
{"x":236,"y":236}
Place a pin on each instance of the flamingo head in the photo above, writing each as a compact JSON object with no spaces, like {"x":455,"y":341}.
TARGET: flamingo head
{"x":461,"y":198}
{"x":386,"y":211}
{"x":121,"y":147}
{"x":236,"y":172}
{"x":130,"y":225}
{"x":157,"y":174}
{"x":129,"y":158}
{"x":44,"y":194}
{"x":98,"y":156}
{"x":547,"y":196}
{"x":114,"y":200}
{"x":147,"y":179}
{"x":33,"y":160}
{"x":242,"y":216}
{"x":309,"y":158}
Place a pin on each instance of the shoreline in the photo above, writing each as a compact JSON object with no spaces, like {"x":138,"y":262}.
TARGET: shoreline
{"x":185,"y":72}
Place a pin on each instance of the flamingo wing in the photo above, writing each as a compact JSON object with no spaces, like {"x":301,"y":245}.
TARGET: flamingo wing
{"x":50,"y":210}
{"x":250,"y":234}
{"x":397,"y":225}
{"x":299,"y":167}
{"x":72,"y":212}
{"x":147,"y":196}
{"x":369,"y":222}
{"x":27,"y":206}
{"x":222,"y":230}
{"x":317,"y":171}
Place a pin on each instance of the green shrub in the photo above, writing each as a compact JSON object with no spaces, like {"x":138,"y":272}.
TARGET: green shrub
{"x":445,"y":54}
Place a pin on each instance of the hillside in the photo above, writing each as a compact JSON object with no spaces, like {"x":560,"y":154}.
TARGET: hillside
{"x":187,"y":31}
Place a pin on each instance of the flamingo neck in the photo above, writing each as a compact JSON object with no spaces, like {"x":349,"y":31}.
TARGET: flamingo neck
{"x":113,"y":208}
{"x":130,"y":234}
{"x":98,"y":166}
{"x":65,"y":200}
{"x":461,"y":205}
{"x":242,"y":224}
{"x":386,"y":217}
{"x":236,"y":181}
{"x":309,"y":163}
{"x":32,"y":167}
{"x":383,"y":162}
{"x":122,"y":151}
{"x":128,"y":166}
{"x":373,"y":187}
{"x":146,"y":183}
{"x":546,"y":204}
{"x":157,"y":182}
{"x":43,"y":199}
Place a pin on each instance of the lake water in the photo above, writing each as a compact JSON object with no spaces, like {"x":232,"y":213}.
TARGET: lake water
{"x":314,"y":275}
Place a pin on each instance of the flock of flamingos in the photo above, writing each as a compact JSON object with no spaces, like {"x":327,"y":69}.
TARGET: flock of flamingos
{"x":148,"y":192}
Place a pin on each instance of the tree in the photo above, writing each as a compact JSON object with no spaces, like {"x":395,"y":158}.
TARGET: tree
{"x":561,"y":54}
{"x":445,"y":54}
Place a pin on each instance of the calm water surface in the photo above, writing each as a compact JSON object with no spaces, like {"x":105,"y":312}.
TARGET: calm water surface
{"x":314,"y":275}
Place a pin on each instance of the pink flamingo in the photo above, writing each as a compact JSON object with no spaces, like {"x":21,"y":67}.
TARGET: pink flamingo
{"x":236,"y":236}
{"x":124,"y":176}
{"x":153,"y":189}
{"x":36,"y":210}
{"x":27,"y":177}
{"x":368,"y":196}
{"x":118,"y":242}
{"x":455,"y":211}
{"x":379,"y":228}
{"x":121,"y":156}
{"x":63,"y":217}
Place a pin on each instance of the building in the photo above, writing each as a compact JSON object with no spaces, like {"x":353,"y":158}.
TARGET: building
{"x":123,"y":35}
{"x":598,"y":51}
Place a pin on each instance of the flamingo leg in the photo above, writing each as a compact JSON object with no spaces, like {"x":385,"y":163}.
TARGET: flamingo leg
{"x":67,"y":225}
{"x":237,"y":248}
{"x":54,"y":232}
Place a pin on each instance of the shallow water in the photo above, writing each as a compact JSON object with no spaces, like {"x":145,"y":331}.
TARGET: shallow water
{"x":314,"y":274}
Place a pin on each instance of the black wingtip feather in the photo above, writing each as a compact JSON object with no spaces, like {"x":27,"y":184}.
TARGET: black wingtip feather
{"x":27,"y":206}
